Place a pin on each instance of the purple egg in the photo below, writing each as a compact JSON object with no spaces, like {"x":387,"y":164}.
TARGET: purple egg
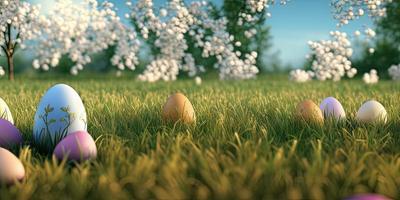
{"x":331,"y":107}
{"x":9,"y":135}
{"x":367,"y":197}
{"x":77,"y":146}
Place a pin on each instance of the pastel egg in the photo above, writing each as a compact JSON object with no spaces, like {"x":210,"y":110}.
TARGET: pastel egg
{"x":78,"y":146}
{"x":372,"y":112}
{"x":367,"y":197}
{"x":59,"y":113}
{"x":9,"y":135}
{"x":178,"y":108}
{"x":11,"y":168}
{"x":5,"y":112}
{"x":309,"y":111}
{"x":332,"y":108}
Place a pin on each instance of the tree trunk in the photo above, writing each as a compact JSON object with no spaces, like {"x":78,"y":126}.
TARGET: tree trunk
{"x":10,"y":62}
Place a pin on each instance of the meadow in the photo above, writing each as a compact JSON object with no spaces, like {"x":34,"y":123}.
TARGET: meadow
{"x":246,"y":143}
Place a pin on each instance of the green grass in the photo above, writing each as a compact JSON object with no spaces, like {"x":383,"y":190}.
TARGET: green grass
{"x":246,"y":144}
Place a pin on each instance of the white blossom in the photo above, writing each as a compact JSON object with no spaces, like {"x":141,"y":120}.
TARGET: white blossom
{"x":18,"y":24}
{"x":301,"y":76}
{"x":394,"y":72}
{"x":371,"y":50}
{"x":332,"y":57}
{"x":190,"y":21}
{"x":198,"y":80}
{"x":371,"y":77}
{"x":348,"y":10}
{"x":81,"y":29}
{"x":2,"y":72}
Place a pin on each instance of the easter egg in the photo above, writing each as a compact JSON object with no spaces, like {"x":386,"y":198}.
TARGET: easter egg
{"x":59,"y":113}
{"x":331,"y":108}
{"x":367,"y":197}
{"x":11,"y":168}
{"x":178,"y":108}
{"x":78,"y":146}
{"x":5,"y":112}
{"x":309,"y":111}
{"x":372,"y":112}
{"x":9,"y":135}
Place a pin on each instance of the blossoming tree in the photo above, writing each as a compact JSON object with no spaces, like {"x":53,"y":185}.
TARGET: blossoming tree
{"x":81,"y":29}
{"x":18,"y":23}
{"x":331,"y":58}
{"x":176,"y":22}
{"x":78,"y":30}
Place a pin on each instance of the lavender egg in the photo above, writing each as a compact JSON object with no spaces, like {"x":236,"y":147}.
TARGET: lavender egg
{"x":368,"y":197}
{"x":331,"y":108}
{"x":59,"y":113}
{"x":11,"y":168}
{"x":78,"y":146}
{"x":9,"y":135}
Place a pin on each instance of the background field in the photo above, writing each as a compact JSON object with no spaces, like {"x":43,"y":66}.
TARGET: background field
{"x":246,"y":144}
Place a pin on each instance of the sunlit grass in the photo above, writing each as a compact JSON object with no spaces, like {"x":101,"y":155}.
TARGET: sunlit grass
{"x":246,"y":144}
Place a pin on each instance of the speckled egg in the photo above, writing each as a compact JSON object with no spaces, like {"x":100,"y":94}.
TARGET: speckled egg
{"x":372,"y":112}
{"x":60,"y":112}
{"x":9,"y":135}
{"x":78,"y":146}
{"x":367,"y":197}
{"x":178,"y":108}
{"x":332,"y":108}
{"x":310,"y":112}
{"x":11,"y":168}
{"x":5,"y":112}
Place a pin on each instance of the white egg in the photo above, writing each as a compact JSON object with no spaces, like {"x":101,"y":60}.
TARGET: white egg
{"x":5,"y":112}
{"x":60,"y":112}
{"x":372,"y":112}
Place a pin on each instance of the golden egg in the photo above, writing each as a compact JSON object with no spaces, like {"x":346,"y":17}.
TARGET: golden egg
{"x":178,"y":108}
{"x":310,"y":112}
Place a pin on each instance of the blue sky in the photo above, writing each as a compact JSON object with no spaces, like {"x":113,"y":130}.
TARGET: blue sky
{"x":292,"y":25}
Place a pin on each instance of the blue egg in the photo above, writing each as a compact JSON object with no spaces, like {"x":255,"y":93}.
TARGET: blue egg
{"x":59,"y":113}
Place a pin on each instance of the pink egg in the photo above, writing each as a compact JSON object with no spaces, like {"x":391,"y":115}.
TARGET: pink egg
{"x":77,"y":146}
{"x":368,"y":197}
{"x":9,"y":135}
{"x":11,"y":168}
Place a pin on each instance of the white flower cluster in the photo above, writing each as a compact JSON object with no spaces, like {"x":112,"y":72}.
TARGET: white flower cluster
{"x":160,"y":69}
{"x":260,"y":5}
{"x":371,"y":77}
{"x":254,"y":7}
{"x":170,"y":28}
{"x":18,"y":22}
{"x":394,"y":72}
{"x":174,"y":24}
{"x":348,"y":10}
{"x":198,"y":80}
{"x":332,"y":57}
{"x":301,"y":76}
{"x":220,"y":44}
{"x":81,"y":29}
{"x":2,"y":72}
